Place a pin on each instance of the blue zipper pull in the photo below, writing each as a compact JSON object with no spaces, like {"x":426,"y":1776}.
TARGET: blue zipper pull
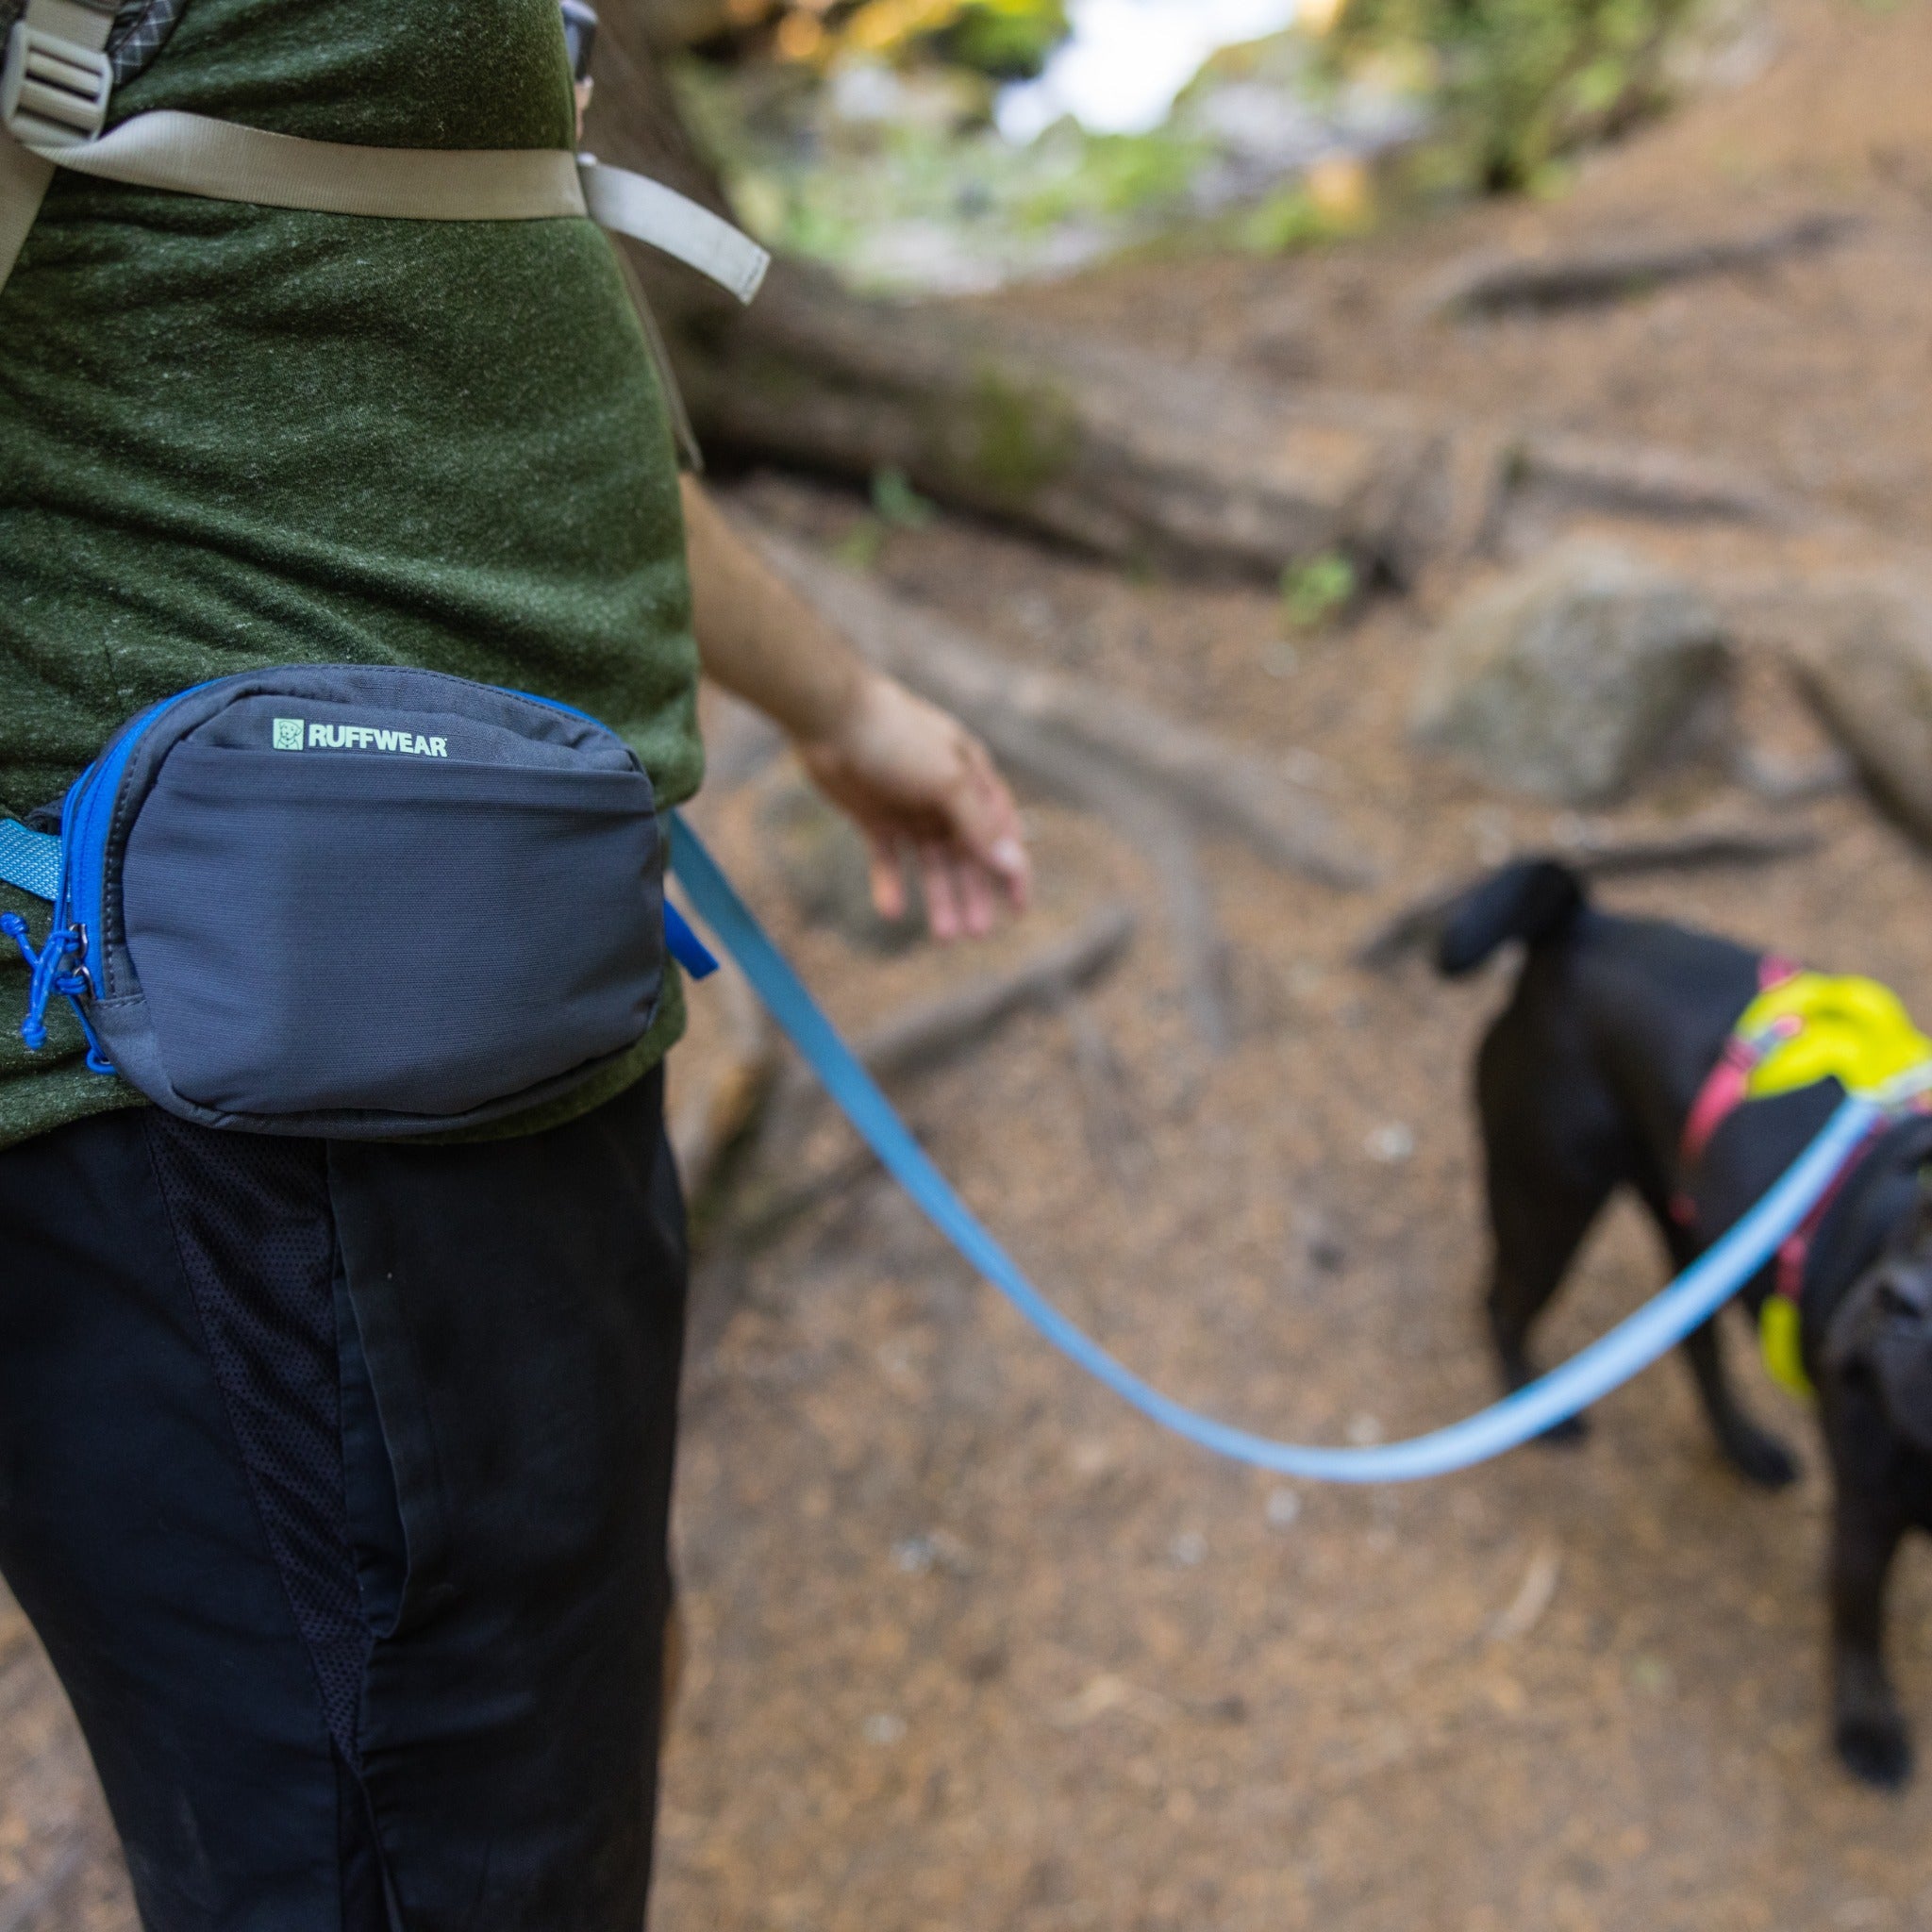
{"x":63,"y":943}
{"x":48,"y":965}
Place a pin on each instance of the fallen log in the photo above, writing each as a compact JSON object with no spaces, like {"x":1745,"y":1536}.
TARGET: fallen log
{"x":1076,"y":739}
{"x":1416,"y":924}
{"x":1127,"y":453}
{"x":1130,"y":455}
{"x":1489,"y":282}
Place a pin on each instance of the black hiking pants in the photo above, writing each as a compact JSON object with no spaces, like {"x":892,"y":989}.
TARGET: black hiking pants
{"x":335,"y":1478}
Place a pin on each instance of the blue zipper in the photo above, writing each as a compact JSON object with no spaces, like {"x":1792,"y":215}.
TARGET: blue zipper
{"x":86,"y":814}
{"x":559,"y":705}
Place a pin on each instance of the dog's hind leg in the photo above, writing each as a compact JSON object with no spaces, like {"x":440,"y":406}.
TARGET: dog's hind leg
{"x":1540,"y":1211}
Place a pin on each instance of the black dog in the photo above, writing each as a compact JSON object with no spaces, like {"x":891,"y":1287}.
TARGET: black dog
{"x":1586,"y":1083}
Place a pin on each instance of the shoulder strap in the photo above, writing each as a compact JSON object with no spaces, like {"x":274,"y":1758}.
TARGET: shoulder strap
{"x":53,"y":106}
{"x":55,"y":87}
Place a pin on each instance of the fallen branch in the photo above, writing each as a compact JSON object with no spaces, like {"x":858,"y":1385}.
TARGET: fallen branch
{"x":1199,"y":943}
{"x":1417,"y":923}
{"x":934,"y":1031}
{"x":1109,"y":1128}
{"x":1692,"y":851}
{"x":1490,"y":283}
{"x":924,"y":1036}
{"x":1075,"y":739}
{"x":1641,"y":480}
{"x":1533,"y":1596}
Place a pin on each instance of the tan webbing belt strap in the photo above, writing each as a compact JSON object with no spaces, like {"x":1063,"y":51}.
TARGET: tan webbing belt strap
{"x":192,"y":154}
{"x":55,"y":82}
{"x":226,"y":161}
{"x":637,"y":206}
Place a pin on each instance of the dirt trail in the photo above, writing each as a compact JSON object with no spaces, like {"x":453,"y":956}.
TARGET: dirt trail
{"x":972,"y":1647}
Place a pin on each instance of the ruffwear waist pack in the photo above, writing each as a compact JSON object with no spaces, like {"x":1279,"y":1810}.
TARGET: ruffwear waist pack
{"x":351,"y":901}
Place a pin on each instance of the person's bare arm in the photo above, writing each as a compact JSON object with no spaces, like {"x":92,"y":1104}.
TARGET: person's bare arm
{"x":919,"y":785}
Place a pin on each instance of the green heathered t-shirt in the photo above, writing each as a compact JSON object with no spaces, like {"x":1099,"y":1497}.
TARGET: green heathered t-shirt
{"x":233,"y":436}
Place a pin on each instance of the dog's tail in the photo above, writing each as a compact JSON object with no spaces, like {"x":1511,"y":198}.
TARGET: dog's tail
{"x":1535,"y":900}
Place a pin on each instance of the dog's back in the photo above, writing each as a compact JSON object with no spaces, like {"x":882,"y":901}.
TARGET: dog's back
{"x":1614,"y":1023}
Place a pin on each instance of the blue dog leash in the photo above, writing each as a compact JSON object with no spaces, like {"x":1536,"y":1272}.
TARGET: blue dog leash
{"x":31,"y":862}
{"x":1606,"y":1364}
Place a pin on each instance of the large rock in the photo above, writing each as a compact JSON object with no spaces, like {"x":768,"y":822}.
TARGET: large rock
{"x":1572,"y":678}
{"x":1865,"y":661}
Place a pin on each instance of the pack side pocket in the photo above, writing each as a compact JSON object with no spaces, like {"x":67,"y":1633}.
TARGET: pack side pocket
{"x":357,"y":932}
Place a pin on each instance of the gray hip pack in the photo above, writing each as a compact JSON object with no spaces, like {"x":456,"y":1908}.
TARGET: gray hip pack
{"x":351,"y":901}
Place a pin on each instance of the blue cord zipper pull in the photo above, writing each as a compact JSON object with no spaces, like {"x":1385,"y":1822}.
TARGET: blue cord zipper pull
{"x":49,"y":966}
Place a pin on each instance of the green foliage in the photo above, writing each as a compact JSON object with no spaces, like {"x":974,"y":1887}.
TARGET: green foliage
{"x":1292,"y":218}
{"x":866,"y":151}
{"x":858,"y":548}
{"x":895,"y":506}
{"x":897,"y":503}
{"x":1318,"y":589}
{"x":1005,"y":40}
{"x":1009,"y":39}
{"x":1113,"y":174}
{"x":1023,"y":434}
{"x":1520,"y":82}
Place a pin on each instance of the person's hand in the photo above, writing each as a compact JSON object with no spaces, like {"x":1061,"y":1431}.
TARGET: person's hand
{"x":924,"y":793}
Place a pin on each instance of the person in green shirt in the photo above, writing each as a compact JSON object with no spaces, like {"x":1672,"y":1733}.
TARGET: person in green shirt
{"x":335,"y":1476}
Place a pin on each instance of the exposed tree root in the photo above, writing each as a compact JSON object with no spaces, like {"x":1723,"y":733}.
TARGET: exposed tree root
{"x":1579,"y":473}
{"x":1489,"y":282}
{"x":1077,"y":740}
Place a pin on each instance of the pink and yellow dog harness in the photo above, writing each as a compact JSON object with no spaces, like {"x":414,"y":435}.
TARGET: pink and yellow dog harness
{"x":1804,"y":1027}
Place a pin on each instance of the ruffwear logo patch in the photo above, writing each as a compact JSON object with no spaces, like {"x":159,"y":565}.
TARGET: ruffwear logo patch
{"x":297,"y":734}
